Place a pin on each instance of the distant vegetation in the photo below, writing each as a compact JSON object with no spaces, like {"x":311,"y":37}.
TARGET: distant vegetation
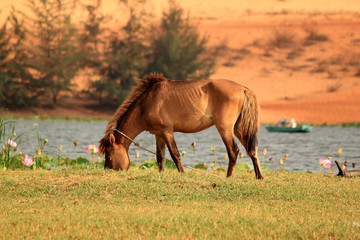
{"x":42,"y":51}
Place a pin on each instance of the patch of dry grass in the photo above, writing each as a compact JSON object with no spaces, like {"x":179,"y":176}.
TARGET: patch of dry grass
{"x":146,"y":204}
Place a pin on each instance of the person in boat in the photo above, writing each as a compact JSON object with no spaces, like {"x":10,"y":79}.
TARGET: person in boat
{"x":282,"y":122}
{"x":293,"y":123}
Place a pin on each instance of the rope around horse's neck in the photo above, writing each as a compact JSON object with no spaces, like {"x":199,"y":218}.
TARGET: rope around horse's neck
{"x":138,"y":145}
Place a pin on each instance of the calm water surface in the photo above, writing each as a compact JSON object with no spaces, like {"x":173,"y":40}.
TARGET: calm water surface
{"x":304,"y":150}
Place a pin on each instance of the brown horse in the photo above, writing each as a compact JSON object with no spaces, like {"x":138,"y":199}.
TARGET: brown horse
{"x":163,"y":107}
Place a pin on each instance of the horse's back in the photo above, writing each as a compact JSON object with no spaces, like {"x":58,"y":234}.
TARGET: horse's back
{"x":190,"y":106}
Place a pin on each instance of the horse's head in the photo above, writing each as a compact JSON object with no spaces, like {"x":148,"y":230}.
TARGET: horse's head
{"x":116,"y":156}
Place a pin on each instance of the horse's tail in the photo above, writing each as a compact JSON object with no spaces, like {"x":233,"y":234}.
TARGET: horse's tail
{"x":247,"y":124}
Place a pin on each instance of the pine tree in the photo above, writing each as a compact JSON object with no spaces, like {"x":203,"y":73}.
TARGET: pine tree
{"x":91,"y":36}
{"x":18,"y":89}
{"x":177,"y":50}
{"x":54,"y":52}
{"x":121,"y":59}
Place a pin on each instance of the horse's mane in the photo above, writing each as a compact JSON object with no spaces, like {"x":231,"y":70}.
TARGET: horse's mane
{"x":136,"y":93}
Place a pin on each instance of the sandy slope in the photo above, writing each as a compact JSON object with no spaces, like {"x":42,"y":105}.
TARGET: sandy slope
{"x":310,"y":81}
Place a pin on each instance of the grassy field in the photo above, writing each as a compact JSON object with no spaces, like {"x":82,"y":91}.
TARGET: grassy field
{"x":143,"y":204}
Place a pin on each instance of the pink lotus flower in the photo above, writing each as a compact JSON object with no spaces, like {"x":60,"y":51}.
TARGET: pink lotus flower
{"x":264,"y":152}
{"x":326,"y":163}
{"x":28,"y":161}
{"x":92,"y":149}
{"x":10,"y":143}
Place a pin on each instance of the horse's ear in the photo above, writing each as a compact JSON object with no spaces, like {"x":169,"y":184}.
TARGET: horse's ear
{"x":112,"y":139}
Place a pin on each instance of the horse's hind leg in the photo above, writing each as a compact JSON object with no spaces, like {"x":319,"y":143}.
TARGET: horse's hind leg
{"x":255,"y":159}
{"x":174,"y":152}
{"x":253,"y":154}
{"x":233,"y":151}
{"x":231,"y":147}
{"x":160,"y":152}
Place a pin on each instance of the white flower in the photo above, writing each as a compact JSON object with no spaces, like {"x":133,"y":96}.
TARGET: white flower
{"x":10,"y":143}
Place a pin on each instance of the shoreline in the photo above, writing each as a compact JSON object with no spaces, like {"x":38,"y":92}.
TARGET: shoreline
{"x":12,"y":117}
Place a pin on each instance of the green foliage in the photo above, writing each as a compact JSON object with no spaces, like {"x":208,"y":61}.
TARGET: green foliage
{"x":152,"y":163}
{"x":41,"y":51}
{"x":177,"y":50}
{"x":18,"y":89}
{"x":9,"y":142}
{"x":242,"y":167}
{"x":201,"y":166}
{"x":121,"y":59}
{"x":90,"y":37}
{"x":54,"y":51}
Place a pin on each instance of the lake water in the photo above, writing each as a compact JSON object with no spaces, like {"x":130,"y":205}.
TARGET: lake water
{"x":304,"y":150}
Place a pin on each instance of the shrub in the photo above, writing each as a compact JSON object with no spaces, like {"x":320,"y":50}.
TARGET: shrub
{"x":334,"y":87}
{"x":18,"y":89}
{"x":177,"y":50}
{"x":313,"y":35}
{"x":283,"y":38}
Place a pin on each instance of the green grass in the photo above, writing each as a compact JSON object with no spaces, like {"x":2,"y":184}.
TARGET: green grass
{"x":83,"y":203}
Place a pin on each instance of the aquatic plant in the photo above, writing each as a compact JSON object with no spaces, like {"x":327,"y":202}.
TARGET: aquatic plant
{"x":183,"y":153}
{"x":213,"y":164}
{"x":281,"y":162}
{"x":137,"y":157}
{"x":202,"y":166}
{"x":76,"y":143}
{"x":28,"y":161}
{"x":10,"y":144}
{"x":241,"y":157}
{"x":93,"y":150}
{"x":263,"y":156}
{"x":193,"y":144}
{"x":285,"y":158}
{"x":10,"y":141}
{"x":242,"y":167}
{"x":324,"y":163}
{"x":272,"y":163}
{"x":339,"y":151}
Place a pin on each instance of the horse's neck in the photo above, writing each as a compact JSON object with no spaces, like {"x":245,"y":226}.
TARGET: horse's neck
{"x":130,"y":128}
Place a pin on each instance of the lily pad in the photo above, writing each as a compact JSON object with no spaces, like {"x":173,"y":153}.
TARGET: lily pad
{"x":169,"y":164}
{"x":201,"y":166}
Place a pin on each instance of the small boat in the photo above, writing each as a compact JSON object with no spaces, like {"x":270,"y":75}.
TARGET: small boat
{"x":301,"y":128}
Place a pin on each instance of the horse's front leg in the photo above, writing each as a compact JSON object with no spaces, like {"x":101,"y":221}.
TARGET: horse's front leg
{"x":160,"y":152}
{"x":174,"y":152}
